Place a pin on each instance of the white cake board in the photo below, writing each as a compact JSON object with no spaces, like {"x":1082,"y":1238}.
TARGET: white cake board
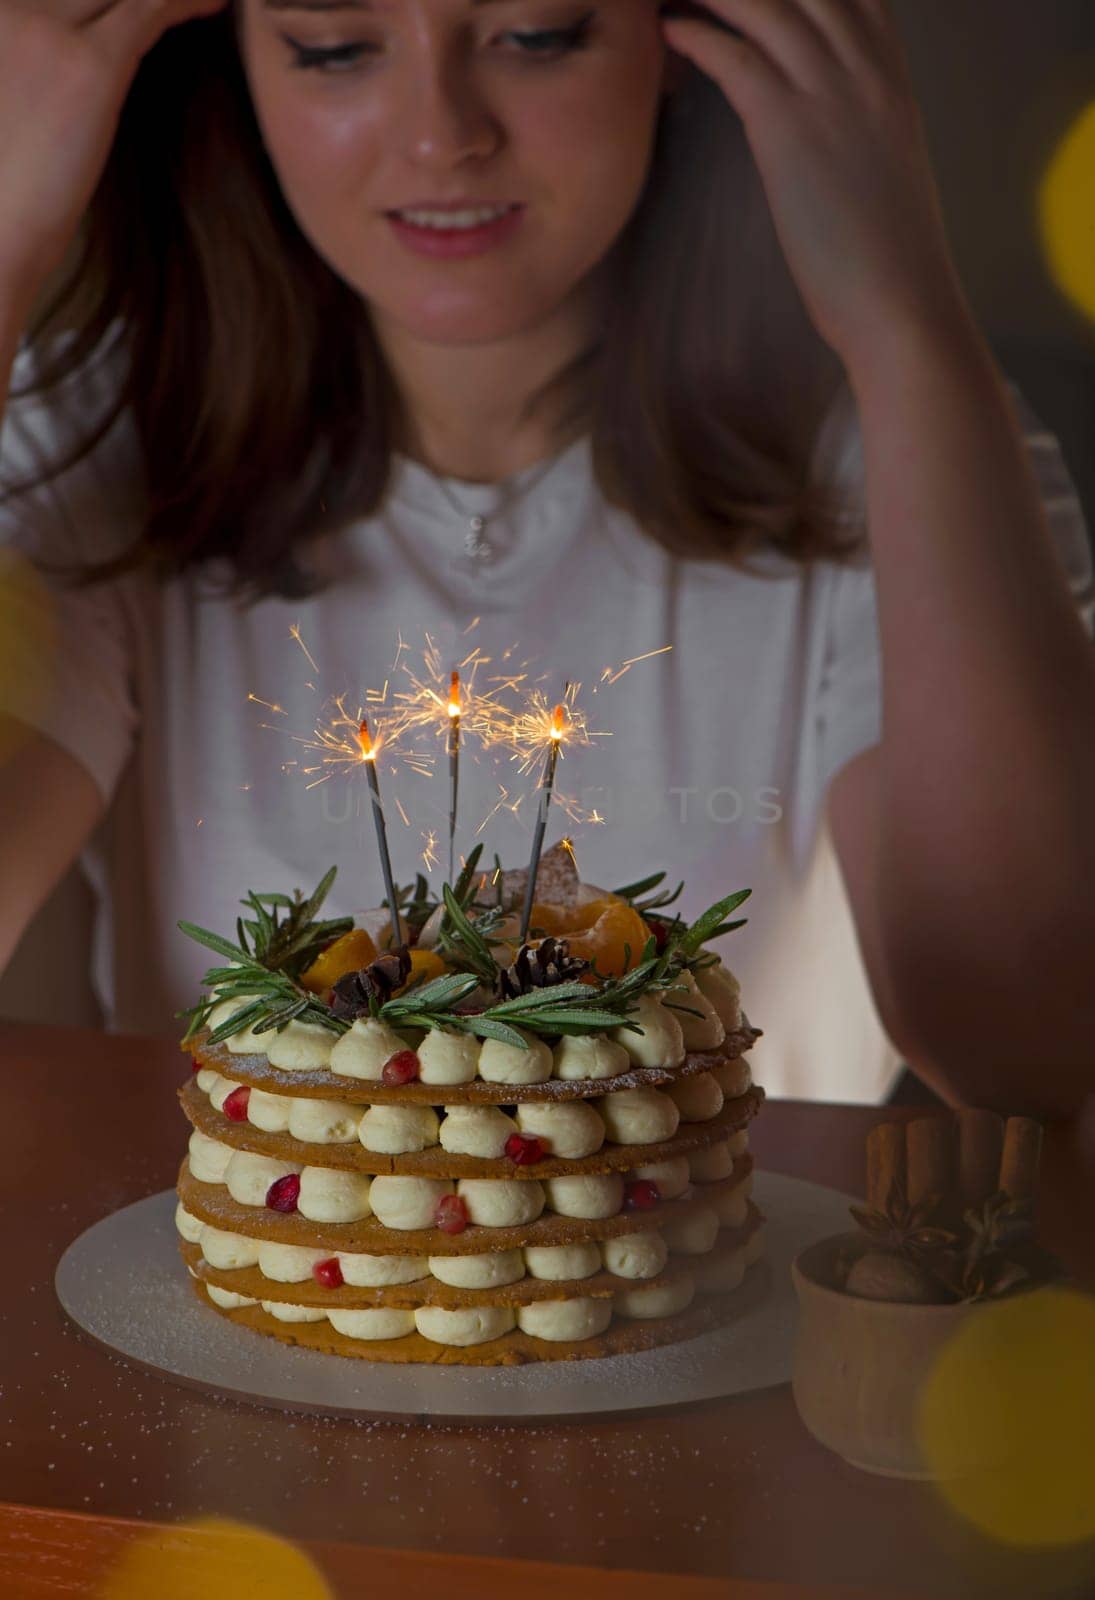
{"x":124,"y":1283}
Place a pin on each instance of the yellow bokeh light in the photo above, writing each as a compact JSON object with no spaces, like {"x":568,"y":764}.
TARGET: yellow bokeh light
{"x":210,"y":1557}
{"x":1066,"y":205}
{"x":1016,"y":1388}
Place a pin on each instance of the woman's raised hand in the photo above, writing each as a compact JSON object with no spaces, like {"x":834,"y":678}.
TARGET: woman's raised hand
{"x":66,"y":67}
{"x":823,"y":92}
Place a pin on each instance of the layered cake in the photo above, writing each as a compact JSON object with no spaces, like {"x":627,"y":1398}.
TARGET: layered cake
{"x":435,"y":1142}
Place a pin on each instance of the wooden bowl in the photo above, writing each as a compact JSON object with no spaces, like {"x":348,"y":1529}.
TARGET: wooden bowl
{"x":860,"y":1365}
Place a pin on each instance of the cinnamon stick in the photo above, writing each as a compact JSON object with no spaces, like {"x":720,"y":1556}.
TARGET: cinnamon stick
{"x":932,"y":1165}
{"x":980,"y":1145}
{"x":1022,"y":1153}
{"x":885,"y":1163}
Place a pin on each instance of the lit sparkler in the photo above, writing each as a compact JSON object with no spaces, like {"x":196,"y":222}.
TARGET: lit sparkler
{"x":547,"y":783}
{"x":454,"y":713}
{"x":369,"y":747}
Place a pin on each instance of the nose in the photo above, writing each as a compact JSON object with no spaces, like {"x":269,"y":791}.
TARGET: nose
{"x":445,"y":119}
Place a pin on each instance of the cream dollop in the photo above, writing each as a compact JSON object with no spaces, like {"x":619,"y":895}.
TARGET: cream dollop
{"x":672,"y":1176}
{"x":571,"y":1129}
{"x":397,"y":1130}
{"x":708,"y":1166}
{"x":206,"y":1079}
{"x":698,"y":1098}
{"x":408,"y":1202}
{"x":268,"y":1111}
{"x":327,"y":1195}
{"x":323,"y":1121}
{"x":508,"y":1063}
{"x":476,"y":1131}
{"x":249,"y":1176}
{"x":660,"y":1041}
{"x":501,"y":1202}
{"x":189,"y":1226}
{"x":487,"y":1271}
{"x":657,"y":1299}
{"x":246,"y":1042}
{"x":589,"y":1055}
{"x":700,"y":1022}
{"x":446,"y":1057}
{"x":638,"y":1116}
{"x":463,"y":1325}
{"x":288,"y":1263}
{"x":733,"y":1077}
{"x":635,"y":1255}
{"x":363,"y":1051}
{"x":220,"y":1091}
{"x":695,"y":1233}
{"x":228,"y":1250}
{"x":385,"y":1322}
{"x":561,"y":1320}
{"x":719,"y":985}
{"x":562,"y":1262}
{"x":288,"y":1313}
{"x":227,"y":1298}
{"x":301,"y":1047}
{"x":361,"y":1271}
{"x":208,"y":1158}
{"x":593,"y":1196}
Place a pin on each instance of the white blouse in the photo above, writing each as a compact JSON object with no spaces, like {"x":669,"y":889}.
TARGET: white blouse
{"x":715,"y":763}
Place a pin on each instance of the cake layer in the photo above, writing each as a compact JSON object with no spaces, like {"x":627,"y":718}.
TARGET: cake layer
{"x":437,"y":1162}
{"x":256,"y":1072}
{"x":515,"y":1348}
{"x":253,"y":1283}
{"x":212,"y":1203}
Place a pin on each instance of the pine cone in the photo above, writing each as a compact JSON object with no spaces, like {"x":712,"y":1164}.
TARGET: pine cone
{"x":352,"y":994}
{"x":541,"y":966}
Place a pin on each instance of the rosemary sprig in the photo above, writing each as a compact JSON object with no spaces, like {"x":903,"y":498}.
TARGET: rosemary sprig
{"x":274,"y":946}
{"x":461,"y":940}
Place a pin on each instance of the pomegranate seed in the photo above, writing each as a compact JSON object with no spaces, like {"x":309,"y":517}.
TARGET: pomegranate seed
{"x":328,"y":1273}
{"x":451,"y":1215}
{"x":284,"y":1193}
{"x":235,"y":1104}
{"x":400,"y":1068}
{"x":195,"y":1064}
{"x":641,"y":1195}
{"x":660,"y":930}
{"x":523,"y":1150}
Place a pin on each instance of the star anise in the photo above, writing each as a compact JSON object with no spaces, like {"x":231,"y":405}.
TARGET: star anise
{"x":540,"y":966}
{"x":362,"y":993}
{"x":901,"y":1226}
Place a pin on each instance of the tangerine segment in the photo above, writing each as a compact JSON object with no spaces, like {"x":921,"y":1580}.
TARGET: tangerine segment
{"x":349,"y":953}
{"x":425,"y":964}
{"x":613,"y":938}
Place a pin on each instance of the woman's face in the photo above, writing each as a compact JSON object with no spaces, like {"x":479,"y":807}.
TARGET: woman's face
{"x":552,"y":104}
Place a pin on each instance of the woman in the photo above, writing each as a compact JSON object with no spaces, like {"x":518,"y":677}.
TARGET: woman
{"x":605,"y":423}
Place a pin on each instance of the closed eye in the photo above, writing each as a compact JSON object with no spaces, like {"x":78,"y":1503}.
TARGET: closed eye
{"x":548,"y":43}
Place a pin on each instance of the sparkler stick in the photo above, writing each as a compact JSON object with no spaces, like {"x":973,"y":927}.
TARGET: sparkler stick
{"x":454,"y":763}
{"x":547,"y":784}
{"x":368,"y":755}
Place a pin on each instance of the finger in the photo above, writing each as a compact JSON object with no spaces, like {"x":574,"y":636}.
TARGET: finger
{"x":742,"y":71}
{"x":127,"y":29}
{"x":784,"y":31}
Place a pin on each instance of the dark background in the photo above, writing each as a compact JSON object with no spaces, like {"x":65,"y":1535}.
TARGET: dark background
{"x":1000,"y":82}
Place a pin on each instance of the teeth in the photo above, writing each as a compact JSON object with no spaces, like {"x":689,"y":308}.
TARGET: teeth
{"x":454,"y":219}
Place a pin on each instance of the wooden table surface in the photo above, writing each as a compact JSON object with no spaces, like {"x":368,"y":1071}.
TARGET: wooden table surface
{"x":734,"y":1492}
